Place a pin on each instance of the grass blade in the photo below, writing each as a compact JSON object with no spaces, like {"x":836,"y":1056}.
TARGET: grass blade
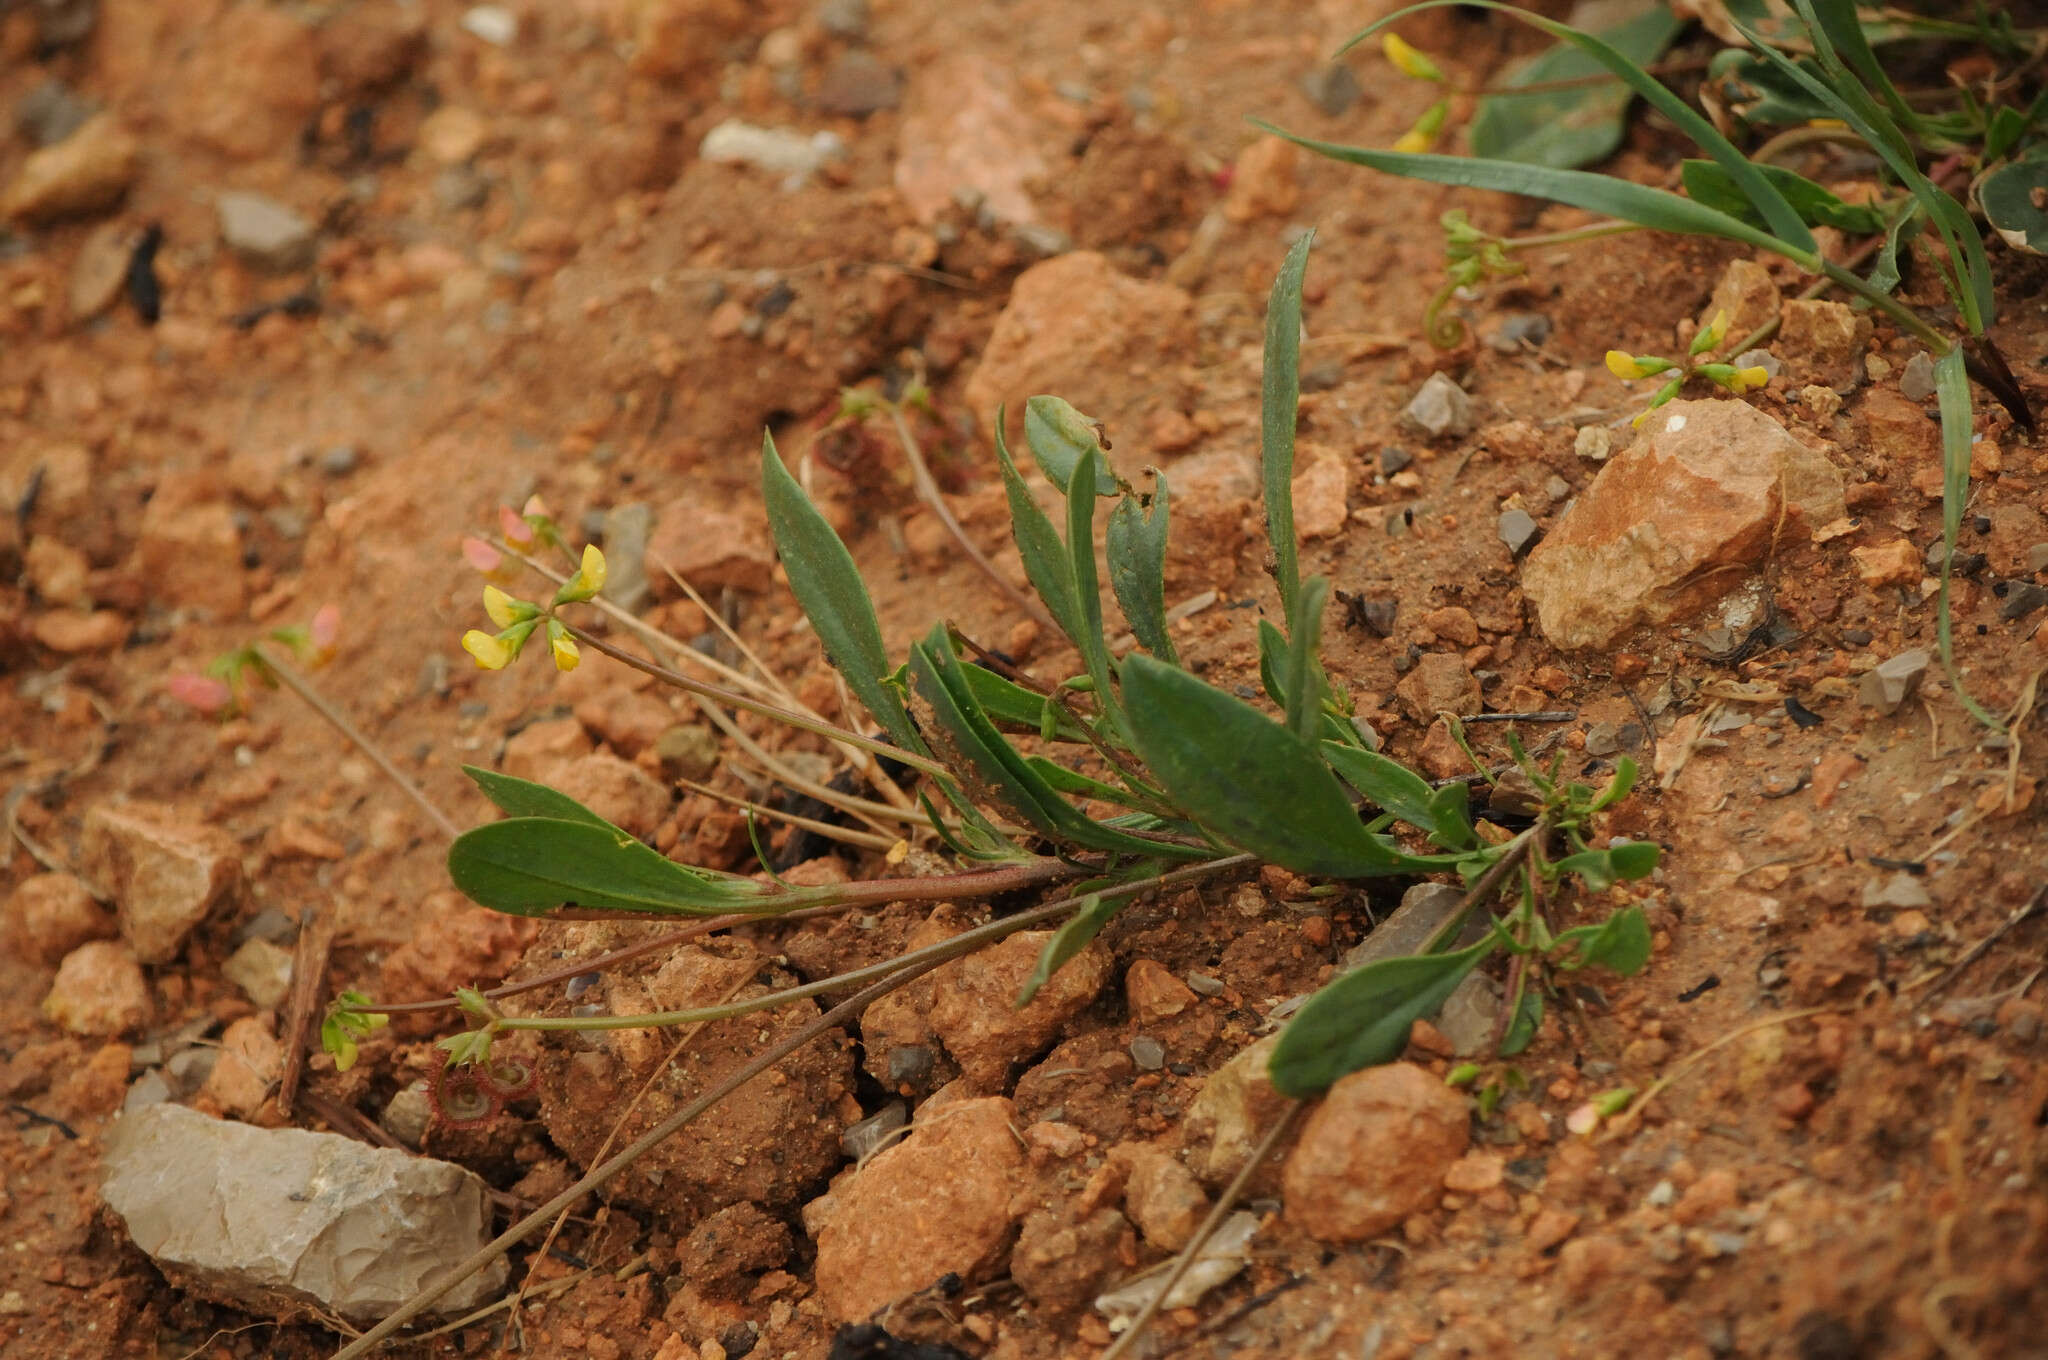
{"x":1073,"y":936}
{"x":1657,"y":209}
{"x":828,"y":587}
{"x":1952,"y":395}
{"x":1279,"y":405}
{"x":1087,"y":587}
{"x":1303,"y":682}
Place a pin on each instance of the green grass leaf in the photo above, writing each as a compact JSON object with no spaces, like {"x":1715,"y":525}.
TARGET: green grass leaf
{"x":1088,"y":589}
{"x":1038,"y":543}
{"x":1706,"y":182}
{"x":518,"y":797}
{"x":1057,"y":436}
{"x":1246,"y":779}
{"x":1279,"y":407}
{"x":1658,"y":209}
{"x":1303,"y":683}
{"x":528,"y":866}
{"x":1363,"y":1018}
{"x":1136,"y":546}
{"x":1011,"y":705}
{"x":1790,"y":234}
{"x":1070,"y":939}
{"x":828,"y":587}
{"x":1569,"y":128}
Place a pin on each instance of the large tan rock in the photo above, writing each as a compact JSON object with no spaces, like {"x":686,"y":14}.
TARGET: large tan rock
{"x":1077,"y":328}
{"x":1374,"y":1152}
{"x":165,"y":875}
{"x":87,"y":171}
{"x":1667,"y":525}
{"x":938,"y":1202}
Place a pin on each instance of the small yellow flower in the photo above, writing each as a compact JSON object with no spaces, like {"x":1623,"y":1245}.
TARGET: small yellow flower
{"x":1414,"y":143}
{"x":503,"y":609}
{"x":593,"y":568}
{"x":491,"y":653}
{"x":1713,"y":335}
{"x":1622,"y":365}
{"x":1408,"y":61}
{"x":562,"y":647}
{"x":1747,"y":379}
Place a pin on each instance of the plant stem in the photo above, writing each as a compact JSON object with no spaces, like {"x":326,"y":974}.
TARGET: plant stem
{"x":298,"y":685}
{"x":786,"y":716}
{"x":879,"y":891}
{"x":606,"y":1171}
{"x":1898,"y":311}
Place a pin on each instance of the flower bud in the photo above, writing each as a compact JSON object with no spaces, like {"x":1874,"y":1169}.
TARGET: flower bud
{"x":562,"y":647}
{"x":1408,"y":61}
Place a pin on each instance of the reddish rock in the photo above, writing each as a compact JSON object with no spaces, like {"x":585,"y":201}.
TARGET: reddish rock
{"x":366,"y":47}
{"x":57,"y":572}
{"x":72,"y":631}
{"x":455,"y":944}
{"x":619,"y":792}
{"x":1453,"y":623}
{"x":1162,"y":1197}
{"x":1899,"y":431}
{"x":1823,"y":342}
{"x":1582,"y":1265}
{"x":974,"y":1006}
{"x":1078,"y":327}
{"x":99,"y":990}
{"x":1894,"y":562}
{"x":680,"y":39}
{"x":1440,"y":756}
{"x":87,"y":171}
{"x":537,"y":751}
{"x":1748,"y":296}
{"x":1153,"y":993}
{"x":250,"y":1058}
{"x":1702,"y":490}
{"x":251,"y":85}
{"x":1062,"y":1261}
{"x":1263,"y":182}
{"x":710,"y":546}
{"x":164,"y":875}
{"x":1441,"y":682}
{"x":94,"y":1089}
{"x":1320,"y":491}
{"x":1707,"y":1198}
{"x":964,"y":128}
{"x":49,"y":915}
{"x":936,"y":1203}
{"x":190,"y":552}
{"x":1374,"y":1152}
{"x":296,"y":838}
{"x":1475,"y":1173}
{"x":628,"y":720}
{"x":1215,"y":519}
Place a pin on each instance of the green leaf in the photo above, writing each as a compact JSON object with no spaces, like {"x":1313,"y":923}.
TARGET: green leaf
{"x":828,"y":587}
{"x":1136,"y":546}
{"x":1363,"y":1018}
{"x":1279,"y":407}
{"x":1621,"y":944}
{"x":1038,"y":543}
{"x":1450,"y":810}
{"x":1303,"y":682}
{"x":517,"y":797}
{"x":1658,"y":209}
{"x":1634,"y":859}
{"x":1602,"y":869}
{"x":1075,"y":935}
{"x":1384,"y":782}
{"x":1625,"y":772}
{"x":996,"y":770}
{"x":1011,"y":705}
{"x":528,"y":866}
{"x":1088,"y":590}
{"x":1249,"y":781}
{"x":1786,"y":234}
{"x":1952,"y":395}
{"x":1057,"y":436}
{"x":1527,"y":1020}
{"x":1758,"y":92}
{"x":1906,"y":218}
{"x":1568,"y":128}
{"x":1708,"y":183}
{"x":2007,"y":198}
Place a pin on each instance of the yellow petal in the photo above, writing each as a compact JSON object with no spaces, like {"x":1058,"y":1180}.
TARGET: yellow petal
{"x":1407,"y":60}
{"x":1747,"y":378}
{"x":490,"y":652}
{"x":593,"y":568}
{"x":1414,"y":143}
{"x":1623,"y":365}
{"x":565,"y":653}
{"x":499,"y":606}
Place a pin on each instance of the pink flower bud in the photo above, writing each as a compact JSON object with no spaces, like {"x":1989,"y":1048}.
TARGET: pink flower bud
{"x":517,"y":531}
{"x":203,"y":692}
{"x":482,"y":555}
{"x":326,"y":629}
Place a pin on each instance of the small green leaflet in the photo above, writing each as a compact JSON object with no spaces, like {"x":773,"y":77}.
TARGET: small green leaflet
{"x":1569,"y":128}
{"x":1069,"y":940}
{"x":1363,"y":1018}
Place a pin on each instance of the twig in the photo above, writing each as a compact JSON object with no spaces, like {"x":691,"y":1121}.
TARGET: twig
{"x":35,"y":851}
{"x":309,"y":972}
{"x":838,"y":833}
{"x":928,"y":492}
{"x":297,"y":684}
{"x":1544,"y":715}
{"x":604,"y":1173}
{"x":1977,"y":950}
{"x":1193,"y":1250}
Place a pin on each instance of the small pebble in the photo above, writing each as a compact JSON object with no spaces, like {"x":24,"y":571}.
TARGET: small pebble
{"x":1518,"y":530}
{"x":1916,"y":380}
{"x":494,"y":24}
{"x":1760,"y":358}
{"x":340,"y":460}
{"x":1148,"y":1053}
{"x":843,"y":18}
{"x":1594,"y":443}
{"x":865,"y":1137}
{"x":1204,"y":985}
{"x":1519,"y":331}
{"x":1332,"y":89}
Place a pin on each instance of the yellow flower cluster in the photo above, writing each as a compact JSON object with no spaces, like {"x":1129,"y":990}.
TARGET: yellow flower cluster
{"x":517,"y":619}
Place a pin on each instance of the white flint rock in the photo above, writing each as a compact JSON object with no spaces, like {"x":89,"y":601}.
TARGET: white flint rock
{"x":276,"y":1220}
{"x":1440,"y":408}
{"x":776,"y":150}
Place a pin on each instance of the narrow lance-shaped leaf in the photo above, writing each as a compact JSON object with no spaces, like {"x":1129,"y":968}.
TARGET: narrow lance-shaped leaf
{"x":828,"y":587}
{"x":1246,"y":779}
{"x":1057,"y":436}
{"x":1363,"y":1018}
{"x":1784,"y":224}
{"x":1087,"y":588}
{"x":1385,"y":783}
{"x":1075,"y":935}
{"x":1708,"y":183}
{"x":1038,"y":543}
{"x":527,"y":866}
{"x":1658,"y":209}
{"x":1136,"y":546}
{"x":1303,"y":682}
{"x":1279,"y":408}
